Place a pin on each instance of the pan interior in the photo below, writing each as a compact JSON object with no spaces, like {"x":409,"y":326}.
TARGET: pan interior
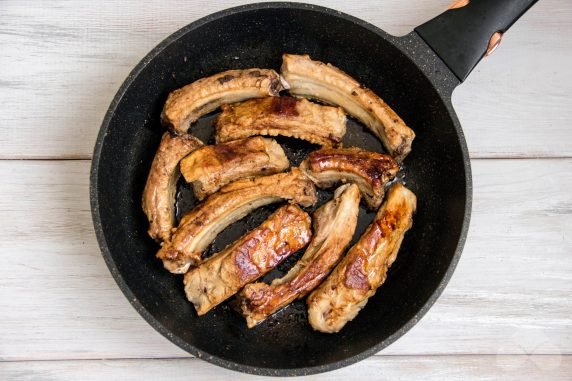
{"x":257,"y":38}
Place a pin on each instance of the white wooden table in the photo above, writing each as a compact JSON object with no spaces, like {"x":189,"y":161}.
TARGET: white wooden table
{"x":506,"y":314}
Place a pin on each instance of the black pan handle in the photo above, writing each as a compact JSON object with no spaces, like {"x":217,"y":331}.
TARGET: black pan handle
{"x":463,"y":34}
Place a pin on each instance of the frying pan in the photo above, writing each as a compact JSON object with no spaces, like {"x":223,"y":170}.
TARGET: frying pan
{"x":415,"y":74}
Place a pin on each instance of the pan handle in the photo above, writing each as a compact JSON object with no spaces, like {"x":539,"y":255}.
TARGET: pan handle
{"x":470,"y":30}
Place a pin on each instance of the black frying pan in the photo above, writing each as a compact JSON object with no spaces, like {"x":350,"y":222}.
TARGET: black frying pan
{"x":415,"y":74}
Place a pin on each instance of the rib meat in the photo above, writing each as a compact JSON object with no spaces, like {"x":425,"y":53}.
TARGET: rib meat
{"x":200,"y":226}
{"x":334,"y":226}
{"x":286,"y":116}
{"x":211,"y":167}
{"x":259,"y":251}
{"x":317,"y":80}
{"x":369,"y":170}
{"x":189,"y":103}
{"x":159,"y":193}
{"x":347,"y":290}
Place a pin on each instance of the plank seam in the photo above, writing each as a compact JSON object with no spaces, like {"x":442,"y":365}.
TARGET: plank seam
{"x":568,"y":355}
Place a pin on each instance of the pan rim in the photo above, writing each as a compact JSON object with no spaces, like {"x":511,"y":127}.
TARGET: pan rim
{"x":149,"y":318}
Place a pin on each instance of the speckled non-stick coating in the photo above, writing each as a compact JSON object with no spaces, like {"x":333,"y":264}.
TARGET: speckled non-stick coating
{"x":403,"y":71}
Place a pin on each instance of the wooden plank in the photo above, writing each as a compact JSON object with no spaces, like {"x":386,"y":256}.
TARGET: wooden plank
{"x":462,"y":368}
{"x":509,"y":295}
{"x":505,"y":103}
{"x":61,"y":66}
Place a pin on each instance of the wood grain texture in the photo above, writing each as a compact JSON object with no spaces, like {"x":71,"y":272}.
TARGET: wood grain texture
{"x":62,"y":63}
{"x":509,"y":295}
{"x":429,"y":368}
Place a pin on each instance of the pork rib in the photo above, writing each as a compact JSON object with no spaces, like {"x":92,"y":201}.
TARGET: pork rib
{"x":211,"y":167}
{"x":225,"y":273}
{"x":189,"y":103}
{"x":325,"y":82}
{"x":371,"y":171}
{"x":159,"y":193}
{"x":334,"y":226}
{"x":200,"y":226}
{"x":286,"y":116}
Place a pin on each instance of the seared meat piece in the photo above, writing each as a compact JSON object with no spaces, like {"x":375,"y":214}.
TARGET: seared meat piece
{"x":346,"y":291}
{"x":334,"y":226}
{"x":317,"y":80}
{"x":259,"y":251}
{"x":201,"y":225}
{"x":159,"y":192}
{"x":189,"y":103}
{"x":211,"y":167}
{"x":369,"y":170}
{"x":286,"y":116}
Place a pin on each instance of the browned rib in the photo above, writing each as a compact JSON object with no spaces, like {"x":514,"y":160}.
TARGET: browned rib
{"x":224,"y":274}
{"x":189,"y":103}
{"x":286,"y":116}
{"x":159,"y":193}
{"x":347,"y":290}
{"x":200,"y":226}
{"x":317,"y":80}
{"x":371,"y":171}
{"x":211,"y":167}
{"x":334,"y":226}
